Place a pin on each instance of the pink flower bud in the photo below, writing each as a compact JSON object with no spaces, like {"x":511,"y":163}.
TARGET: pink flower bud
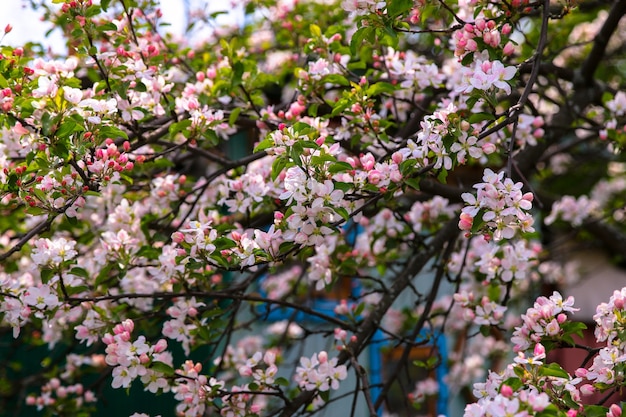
{"x":508,"y":49}
{"x":587,"y":389}
{"x":128,"y":325}
{"x":323,"y":357}
{"x":471,"y":45}
{"x":506,"y":391}
{"x":466,"y":221}
{"x":55,"y":383}
{"x":615,"y":410}
{"x":374,"y":176}
{"x":108,"y":338}
{"x":160,"y":346}
{"x":178,"y":237}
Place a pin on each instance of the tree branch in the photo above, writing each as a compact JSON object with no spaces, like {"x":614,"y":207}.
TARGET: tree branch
{"x":371,"y":323}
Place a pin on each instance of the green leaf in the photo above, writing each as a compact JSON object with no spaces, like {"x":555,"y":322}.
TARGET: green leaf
{"x":104,"y":275}
{"x":278,"y":166}
{"x":222,"y":243}
{"x":232,"y":119}
{"x":362,"y":34}
{"x":379,"y":88}
{"x":480,"y":117}
{"x":339,"y":167}
{"x":79,"y":272}
{"x":109,"y":26}
{"x":407,"y":166}
{"x":595,"y":411}
{"x":413,"y":183}
{"x":263,"y":145}
{"x":336,"y":79}
{"x":76,"y":290}
{"x":343,"y":186}
{"x":398,"y":7}
{"x":514,"y":383}
{"x":35,"y":211}
{"x":46,"y":274}
{"x":553,"y":369}
{"x":550,"y":411}
{"x":467,"y":59}
{"x":179,"y":126}
{"x":112,"y":132}
{"x":342,"y":212}
{"x":315,"y":30}
{"x":321,"y":159}
{"x":282,"y":381}
{"x":237,"y":74}
{"x":163,"y":368}
{"x":340,"y":106}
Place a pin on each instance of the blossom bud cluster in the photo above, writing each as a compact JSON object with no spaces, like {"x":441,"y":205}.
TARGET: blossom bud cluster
{"x":537,"y":390}
{"x":55,"y":395}
{"x":572,"y":210}
{"x":320,"y":373}
{"x":614,"y":112}
{"x":484,"y":75}
{"x":577,"y":210}
{"x":109,"y":161}
{"x":202,"y":117}
{"x":495,"y":398}
{"x":529,"y":386}
{"x":609,"y":365}
{"x":430,"y":144}
{"x":544,"y":319}
{"x":500,"y":206}
{"x":132,"y":359}
{"x":53,"y":191}
{"x":479,"y":35}
{"x":183,"y":322}
{"x":192,"y":390}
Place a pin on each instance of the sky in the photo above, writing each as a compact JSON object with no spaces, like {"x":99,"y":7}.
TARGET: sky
{"x":27,"y":25}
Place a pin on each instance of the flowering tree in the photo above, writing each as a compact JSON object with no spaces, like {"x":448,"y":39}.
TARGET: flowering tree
{"x":165,"y":195}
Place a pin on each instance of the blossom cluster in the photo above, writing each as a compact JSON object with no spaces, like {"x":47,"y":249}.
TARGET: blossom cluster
{"x":320,"y":373}
{"x":500,"y":206}
{"x":179,"y":190}
{"x":609,"y":366}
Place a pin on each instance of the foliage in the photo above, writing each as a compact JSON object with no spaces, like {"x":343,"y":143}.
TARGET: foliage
{"x":416,"y":162}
